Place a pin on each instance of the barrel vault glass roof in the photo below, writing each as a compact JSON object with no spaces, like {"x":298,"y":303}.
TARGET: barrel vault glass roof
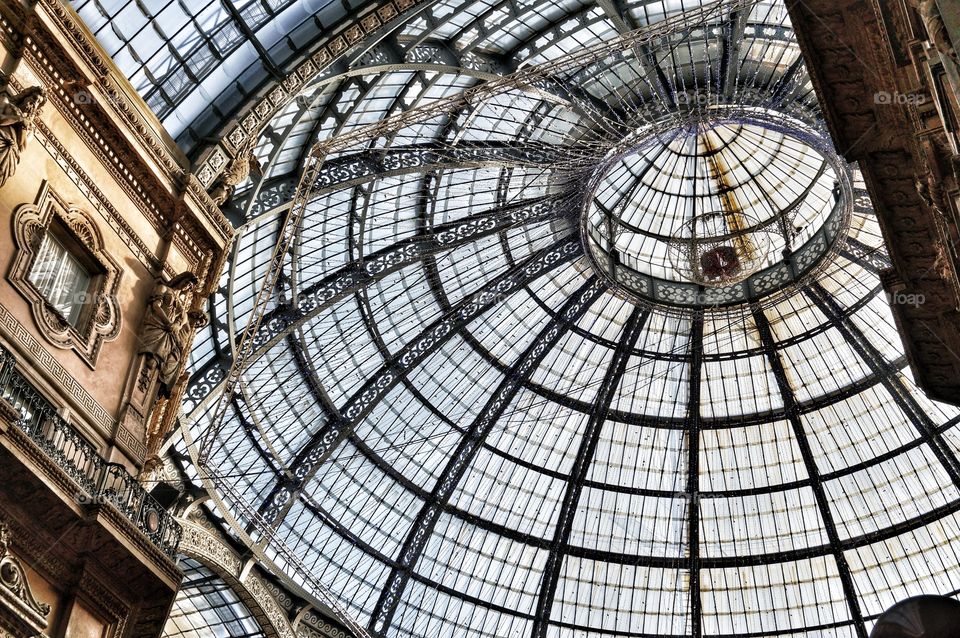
{"x":765,"y":469}
{"x":208,"y":606}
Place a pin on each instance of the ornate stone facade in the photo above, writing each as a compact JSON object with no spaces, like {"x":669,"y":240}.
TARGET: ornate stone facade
{"x":21,"y":614}
{"x":136,"y":194}
{"x":17,"y":113}
{"x":884,"y":76}
{"x":31,"y":222}
{"x":92,"y":179}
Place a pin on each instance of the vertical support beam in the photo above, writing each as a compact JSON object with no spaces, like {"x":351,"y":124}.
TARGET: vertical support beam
{"x":892,"y":381}
{"x":800,"y":436}
{"x":473,"y":440}
{"x":694,"y":423}
{"x":733,"y":31}
{"x":581,"y":466}
{"x":622,"y":21}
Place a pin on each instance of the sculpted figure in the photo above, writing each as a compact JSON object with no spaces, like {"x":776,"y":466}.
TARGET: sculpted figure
{"x":168,"y":329}
{"x":16,"y":125}
{"x":933,"y":23}
{"x":932,"y":195}
{"x":236,"y":173}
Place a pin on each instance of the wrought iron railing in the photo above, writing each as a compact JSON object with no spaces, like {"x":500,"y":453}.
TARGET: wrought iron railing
{"x":98,"y":481}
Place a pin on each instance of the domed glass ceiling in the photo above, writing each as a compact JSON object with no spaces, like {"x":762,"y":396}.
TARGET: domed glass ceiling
{"x":734,"y":169}
{"x":459,"y":421}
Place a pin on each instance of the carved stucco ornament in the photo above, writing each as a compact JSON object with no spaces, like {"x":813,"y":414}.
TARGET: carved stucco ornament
{"x":237,"y":172}
{"x":172,"y":320}
{"x":21,"y":614}
{"x":937,"y":32}
{"x":17,"y":113}
{"x":101,"y":323}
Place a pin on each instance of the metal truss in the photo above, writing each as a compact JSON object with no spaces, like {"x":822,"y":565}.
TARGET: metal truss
{"x":892,"y":381}
{"x":370,"y":165}
{"x":581,"y":466}
{"x":365,"y":271}
{"x":692,"y":495}
{"x":326,"y":440}
{"x":809,"y":462}
{"x":389,"y":56}
{"x":341,"y":172}
{"x":525,"y":80}
{"x":466,"y":451}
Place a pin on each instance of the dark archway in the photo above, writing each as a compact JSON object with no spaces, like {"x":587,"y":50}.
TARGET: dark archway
{"x":920,"y":617}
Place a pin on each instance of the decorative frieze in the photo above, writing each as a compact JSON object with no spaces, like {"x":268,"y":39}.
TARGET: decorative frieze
{"x":97,"y":199}
{"x":21,"y":614}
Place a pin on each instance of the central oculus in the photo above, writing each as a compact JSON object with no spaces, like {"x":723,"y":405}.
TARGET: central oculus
{"x":710,"y":204}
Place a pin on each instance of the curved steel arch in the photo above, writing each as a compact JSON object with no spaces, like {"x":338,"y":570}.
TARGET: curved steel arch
{"x":202,"y":545}
{"x":892,"y":382}
{"x":325,"y":441}
{"x":363,"y":272}
{"x":473,"y":440}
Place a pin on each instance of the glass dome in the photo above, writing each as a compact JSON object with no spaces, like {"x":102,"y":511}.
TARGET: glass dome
{"x":714,"y":201}
{"x":454,"y":419}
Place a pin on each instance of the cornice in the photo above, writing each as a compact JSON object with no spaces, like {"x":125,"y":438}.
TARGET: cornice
{"x":247,"y":126}
{"x":146,"y":128}
{"x":112,"y":120}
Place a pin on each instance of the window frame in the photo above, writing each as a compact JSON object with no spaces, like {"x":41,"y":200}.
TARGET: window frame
{"x":78,"y":233}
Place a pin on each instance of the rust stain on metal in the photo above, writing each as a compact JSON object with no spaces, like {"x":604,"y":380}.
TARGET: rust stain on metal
{"x":732,"y":211}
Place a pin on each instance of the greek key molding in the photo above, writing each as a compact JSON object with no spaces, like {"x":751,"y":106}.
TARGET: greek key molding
{"x":31,"y":222}
{"x":130,"y":443}
{"x":42,"y":358}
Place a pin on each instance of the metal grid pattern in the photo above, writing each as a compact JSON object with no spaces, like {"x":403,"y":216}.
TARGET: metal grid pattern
{"x":562,"y":462}
{"x":206,"y":607}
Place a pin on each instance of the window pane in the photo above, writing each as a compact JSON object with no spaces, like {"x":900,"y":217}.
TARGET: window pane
{"x":61,"y":278}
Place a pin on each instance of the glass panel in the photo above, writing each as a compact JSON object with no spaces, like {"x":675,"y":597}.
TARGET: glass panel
{"x":61,"y":278}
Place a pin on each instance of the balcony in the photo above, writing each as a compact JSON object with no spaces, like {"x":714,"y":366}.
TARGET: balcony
{"x":97,"y":482}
